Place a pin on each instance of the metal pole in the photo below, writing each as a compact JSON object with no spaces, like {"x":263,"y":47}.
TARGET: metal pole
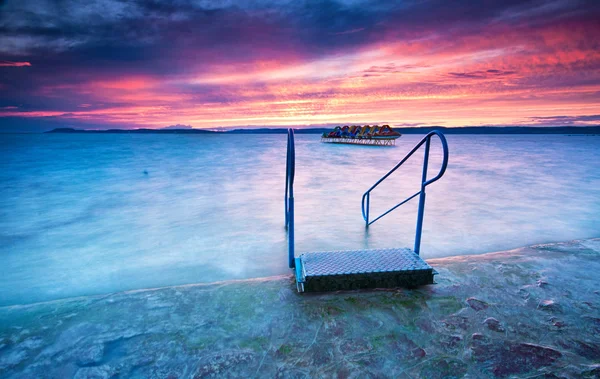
{"x":287,"y":176}
{"x":291,"y":261}
{"x":290,"y":200}
{"x":368,"y":202}
{"x":422,"y":199}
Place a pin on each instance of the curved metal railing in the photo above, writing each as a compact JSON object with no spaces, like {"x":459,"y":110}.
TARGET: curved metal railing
{"x":290,"y":170}
{"x":424,"y":183}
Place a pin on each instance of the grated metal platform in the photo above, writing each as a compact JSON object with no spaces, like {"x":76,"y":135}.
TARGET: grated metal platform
{"x":345,"y":270}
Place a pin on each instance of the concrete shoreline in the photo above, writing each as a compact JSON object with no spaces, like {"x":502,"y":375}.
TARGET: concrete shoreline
{"x":528,"y":312}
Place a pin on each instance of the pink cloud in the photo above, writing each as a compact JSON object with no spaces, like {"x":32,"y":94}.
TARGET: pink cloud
{"x":14,"y":64}
{"x":466,"y":73}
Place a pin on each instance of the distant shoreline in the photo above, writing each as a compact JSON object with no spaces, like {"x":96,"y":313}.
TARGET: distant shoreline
{"x":569,"y":130}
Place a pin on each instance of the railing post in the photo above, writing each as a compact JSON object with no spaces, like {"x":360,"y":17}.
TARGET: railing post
{"x":421,"y":211}
{"x":289,"y":197}
{"x":291,"y":261}
{"x":368,"y":202}
{"x":287,"y":178}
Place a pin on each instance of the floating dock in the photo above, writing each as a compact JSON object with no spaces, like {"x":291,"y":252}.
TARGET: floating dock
{"x":361,"y":141}
{"x":362,"y":135}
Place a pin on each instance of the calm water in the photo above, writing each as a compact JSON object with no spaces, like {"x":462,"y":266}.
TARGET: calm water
{"x":89,"y":214}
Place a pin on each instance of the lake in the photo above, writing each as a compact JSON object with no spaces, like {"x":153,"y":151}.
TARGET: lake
{"x":99,"y":213}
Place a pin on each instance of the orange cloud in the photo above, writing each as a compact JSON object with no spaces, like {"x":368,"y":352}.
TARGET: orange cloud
{"x":499,"y":72}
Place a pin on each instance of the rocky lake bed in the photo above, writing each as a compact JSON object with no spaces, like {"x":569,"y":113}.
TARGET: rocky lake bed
{"x":528,"y":312}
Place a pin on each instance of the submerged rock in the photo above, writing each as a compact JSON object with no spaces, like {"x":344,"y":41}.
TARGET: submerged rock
{"x":477,"y":304}
{"x":482,"y":348}
{"x":446,"y":368}
{"x":507,"y":358}
{"x":232,"y":362}
{"x":457,"y":322}
{"x":588,"y":349}
{"x":493,"y":324}
{"x":524,"y":357}
{"x":591,"y":371}
{"x":451,"y":342}
{"x":549,"y":306}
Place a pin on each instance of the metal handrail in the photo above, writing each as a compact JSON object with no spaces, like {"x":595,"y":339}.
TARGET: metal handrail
{"x":290,"y":171}
{"x":424,"y":183}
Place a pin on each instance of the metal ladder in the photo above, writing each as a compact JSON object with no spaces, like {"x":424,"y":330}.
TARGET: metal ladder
{"x":424,"y":183}
{"x":342,"y":270}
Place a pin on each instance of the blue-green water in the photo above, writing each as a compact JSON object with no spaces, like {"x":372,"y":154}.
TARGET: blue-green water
{"x":90,"y":214}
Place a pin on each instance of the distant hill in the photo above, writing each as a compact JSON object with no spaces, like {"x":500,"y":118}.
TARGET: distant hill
{"x":415,"y":130}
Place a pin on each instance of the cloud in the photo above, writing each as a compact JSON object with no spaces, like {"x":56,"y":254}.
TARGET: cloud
{"x":352,"y":31}
{"x":413,"y":124}
{"x":14,"y":64}
{"x":487,"y":74}
{"x":566,"y":120}
{"x":144,"y":63}
{"x":388,"y":68}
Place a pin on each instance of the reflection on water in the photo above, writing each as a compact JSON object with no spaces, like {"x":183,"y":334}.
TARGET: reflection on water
{"x":87,"y":214}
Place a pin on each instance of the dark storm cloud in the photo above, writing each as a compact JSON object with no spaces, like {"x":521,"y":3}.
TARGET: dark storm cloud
{"x":148,"y":32}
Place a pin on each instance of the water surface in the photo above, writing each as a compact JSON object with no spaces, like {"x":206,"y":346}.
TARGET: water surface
{"x":89,"y":214}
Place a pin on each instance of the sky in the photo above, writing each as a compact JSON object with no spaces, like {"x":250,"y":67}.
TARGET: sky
{"x":207,"y":64}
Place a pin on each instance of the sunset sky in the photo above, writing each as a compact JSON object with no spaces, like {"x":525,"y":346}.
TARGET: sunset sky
{"x":129,"y":64}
